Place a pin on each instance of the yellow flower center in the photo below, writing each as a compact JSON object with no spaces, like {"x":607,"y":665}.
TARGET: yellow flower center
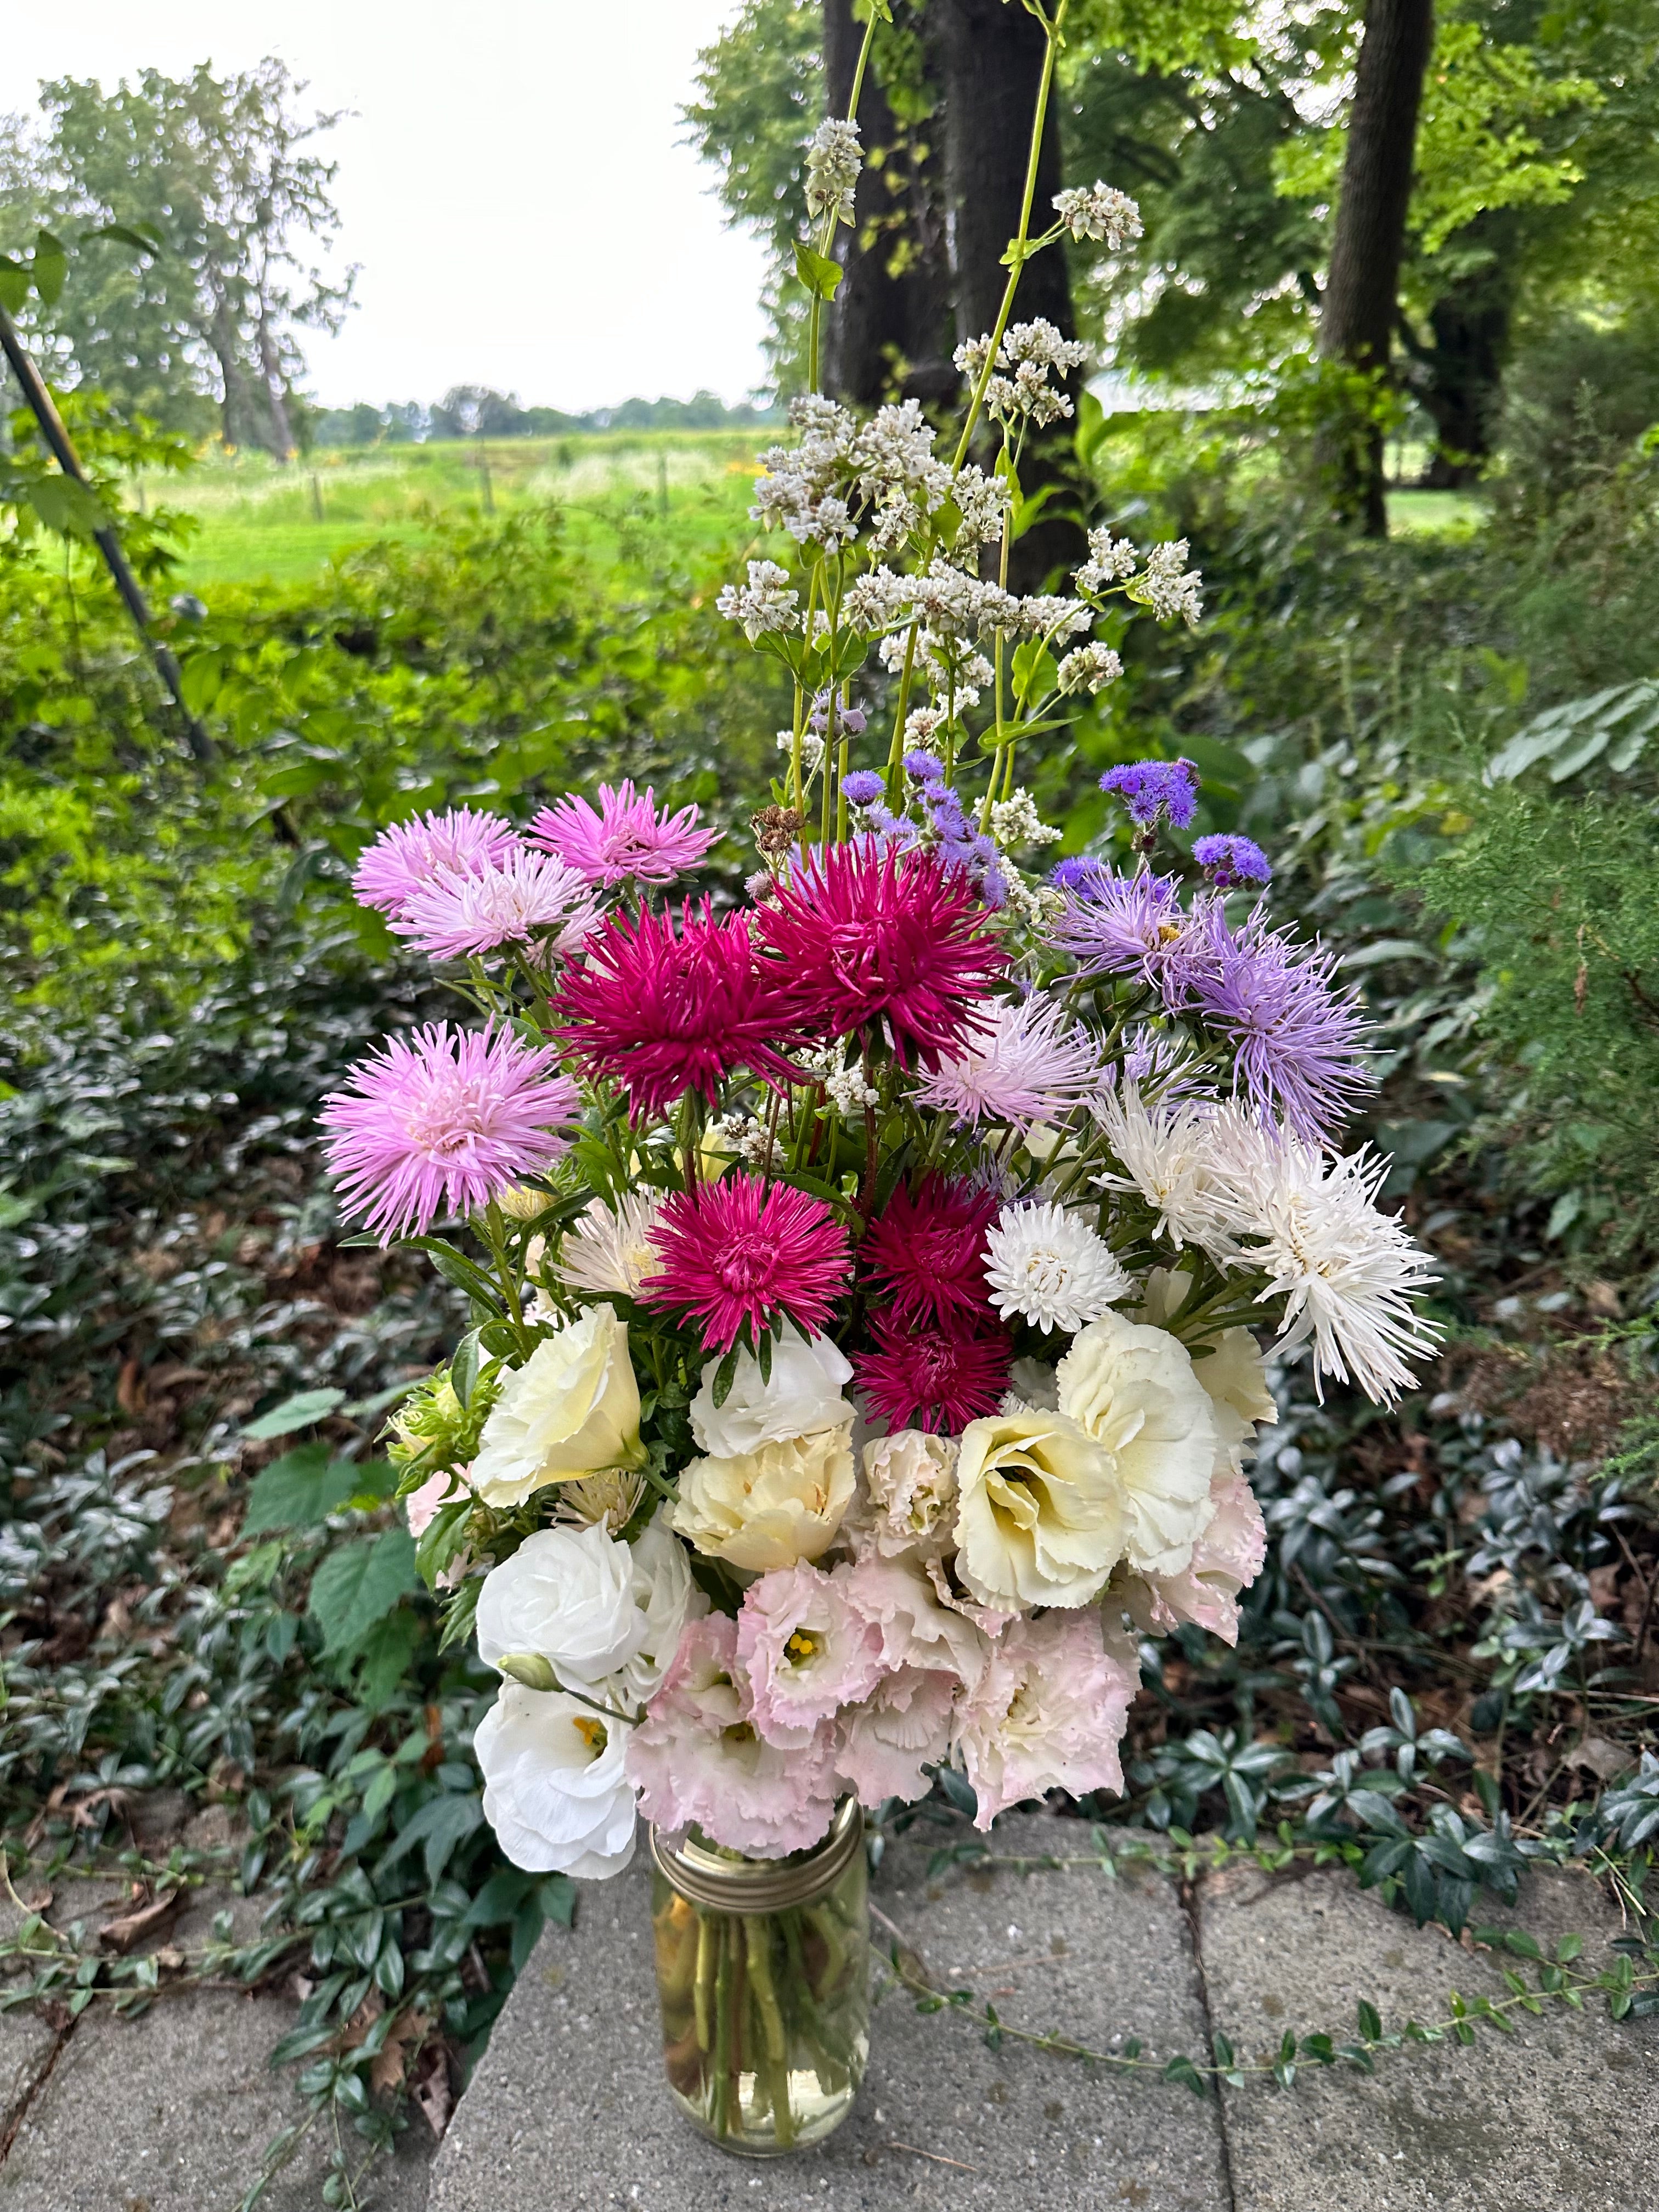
{"x":739,"y":1732}
{"x":802,"y":1646}
{"x":592,"y":1732}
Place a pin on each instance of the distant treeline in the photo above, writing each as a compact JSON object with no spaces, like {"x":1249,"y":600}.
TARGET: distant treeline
{"x":473,"y":411}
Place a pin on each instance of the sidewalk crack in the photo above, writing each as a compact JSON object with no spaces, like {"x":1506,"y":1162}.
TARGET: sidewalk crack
{"x":18,"y":2110}
{"x":1189,"y":1907}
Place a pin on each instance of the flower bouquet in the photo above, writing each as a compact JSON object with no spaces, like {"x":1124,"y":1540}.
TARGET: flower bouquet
{"x":864,"y":1277}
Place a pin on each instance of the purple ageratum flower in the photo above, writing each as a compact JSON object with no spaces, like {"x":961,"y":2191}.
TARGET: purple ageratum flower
{"x":1118,"y":924}
{"x":1296,"y":1040}
{"x":411,"y":855}
{"x":445,"y":1119}
{"x":1150,"y":788}
{"x":926,"y":767}
{"x":1079,"y":874}
{"x":863,"y":787}
{"x":1229,"y":861}
{"x":625,"y":838}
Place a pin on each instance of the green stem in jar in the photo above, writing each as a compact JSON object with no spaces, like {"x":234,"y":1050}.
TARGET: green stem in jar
{"x":757,"y":1943}
{"x":717,"y":2108}
{"x":704,"y":1989}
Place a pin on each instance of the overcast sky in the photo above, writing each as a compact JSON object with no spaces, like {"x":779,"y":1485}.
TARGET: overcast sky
{"x":511,"y":182}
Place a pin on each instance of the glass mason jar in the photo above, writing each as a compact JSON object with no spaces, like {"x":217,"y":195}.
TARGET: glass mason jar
{"x":762,"y":1968}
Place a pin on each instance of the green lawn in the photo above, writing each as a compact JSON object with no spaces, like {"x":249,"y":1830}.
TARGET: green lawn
{"x":627,"y":497}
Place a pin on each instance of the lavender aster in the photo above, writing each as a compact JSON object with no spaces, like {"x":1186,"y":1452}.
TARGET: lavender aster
{"x":1296,"y":1039}
{"x":1230,"y":860}
{"x":1150,"y":788}
{"x":1118,"y":924}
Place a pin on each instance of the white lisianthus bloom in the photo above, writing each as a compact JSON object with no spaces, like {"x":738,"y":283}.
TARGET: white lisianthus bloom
{"x":910,"y":1486}
{"x":1041,"y":1517}
{"x":664,"y":1596}
{"x":1050,"y":1267}
{"x":572,"y":1409}
{"x":555,"y":1791}
{"x":772,"y":1507}
{"x":1232,"y":1370}
{"x":609,"y":1249}
{"x":1132,"y":1390}
{"x":566,"y":1595}
{"x":803,"y":1394}
{"x":1347,"y":1271}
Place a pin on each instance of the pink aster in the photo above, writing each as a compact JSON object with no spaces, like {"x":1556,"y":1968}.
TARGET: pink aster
{"x":805,"y":1651}
{"x":1030,"y":1063}
{"x":528,"y":900}
{"x":443,"y":1121}
{"x":626,"y":838}
{"x":404,"y":858}
{"x":662,"y":1011}
{"x":885,"y":942}
{"x":698,"y":1757}
{"x":923,"y":1378}
{"x":925,"y":1255}
{"x":738,"y":1256}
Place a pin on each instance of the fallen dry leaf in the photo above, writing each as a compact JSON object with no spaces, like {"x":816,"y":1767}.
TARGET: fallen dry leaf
{"x":127,"y":1932}
{"x":432,"y":2091}
{"x":391,"y":2062}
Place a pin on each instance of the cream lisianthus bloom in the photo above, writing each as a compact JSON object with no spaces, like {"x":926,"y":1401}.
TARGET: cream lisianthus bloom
{"x":1134,"y":1390}
{"x":910,"y":1486}
{"x":769,"y":1508}
{"x":1233,"y":1372}
{"x":1041,"y":1520}
{"x":572,"y":1409}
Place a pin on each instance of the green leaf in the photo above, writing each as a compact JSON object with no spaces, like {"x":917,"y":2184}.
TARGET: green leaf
{"x":14,"y":285}
{"x":50,"y":268}
{"x":1568,"y":1949}
{"x":763,"y":1358}
{"x":1181,"y":2071}
{"x":300,"y":1490}
{"x":455,"y":1267}
{"x":67,"y":506}
{"x":296,"y":1412}
{"x":385,"y":1653}
{"x":135,"y":234}
{"x":1370,"y":2022}
{"x":439,"y":1824}
{"x":817,"y":272}
{"x":441,"y":1537}
{"x":359,"y":1584}
{"x":463,"y":1368}
{"x":725,"y":1376}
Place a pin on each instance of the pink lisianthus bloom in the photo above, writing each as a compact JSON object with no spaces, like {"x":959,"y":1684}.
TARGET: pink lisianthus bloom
{"x":912,"y":1628}
{"x":421,"y":1506}
{"x":411,"y":856}
{"x":697,"y":1756}
{"x":805,"y":1651}
{"x":1226,"y":1560}
{"x":884,"y":1746}
{"x":1048,"y":1713}
{"x":443,"y":1118}
{"x":625,"y":838}
{"x":892,"y":945}
{"x":741,"y":1254}
{"x":529,"y":899}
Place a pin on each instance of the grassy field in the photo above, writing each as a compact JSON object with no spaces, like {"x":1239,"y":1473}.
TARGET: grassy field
{"x":628,"y":496}
{"x":619,"y":492}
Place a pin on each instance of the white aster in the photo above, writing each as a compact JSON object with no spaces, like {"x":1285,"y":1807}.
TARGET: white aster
{"x":1051,"y":1268}
{"x":609,"y":1249}
{"x":1167,"y":1152}
{"x":1349,"y":1273}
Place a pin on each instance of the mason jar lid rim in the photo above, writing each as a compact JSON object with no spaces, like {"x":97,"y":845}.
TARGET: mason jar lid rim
{"x":704,"y":1877}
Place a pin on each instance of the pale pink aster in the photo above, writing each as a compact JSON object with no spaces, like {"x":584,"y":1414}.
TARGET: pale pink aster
{"x":442,"y":1120}
{"x":885,"y":1747}
{"x":805,"y":1651}
{"x":697,"y":1756}
{"x":529,"y":899}
{"x":1048,"y":1713}
{"x":626,"y":839}
{"x":1226,"y":1560}
{"x":411,"y":855}
{"x":1028,"y":1063}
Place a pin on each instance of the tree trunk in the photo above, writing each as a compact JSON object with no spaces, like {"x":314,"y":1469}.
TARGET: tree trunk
{"x":991,"y":54}
{"x":1356,"y":321}
{"x":271,"y":366}
{"x":888,"y":328}
{"x":1460,"y":374}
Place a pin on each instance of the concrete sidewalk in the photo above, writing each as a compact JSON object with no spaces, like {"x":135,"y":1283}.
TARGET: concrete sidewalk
{"x":567,"y":2109}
